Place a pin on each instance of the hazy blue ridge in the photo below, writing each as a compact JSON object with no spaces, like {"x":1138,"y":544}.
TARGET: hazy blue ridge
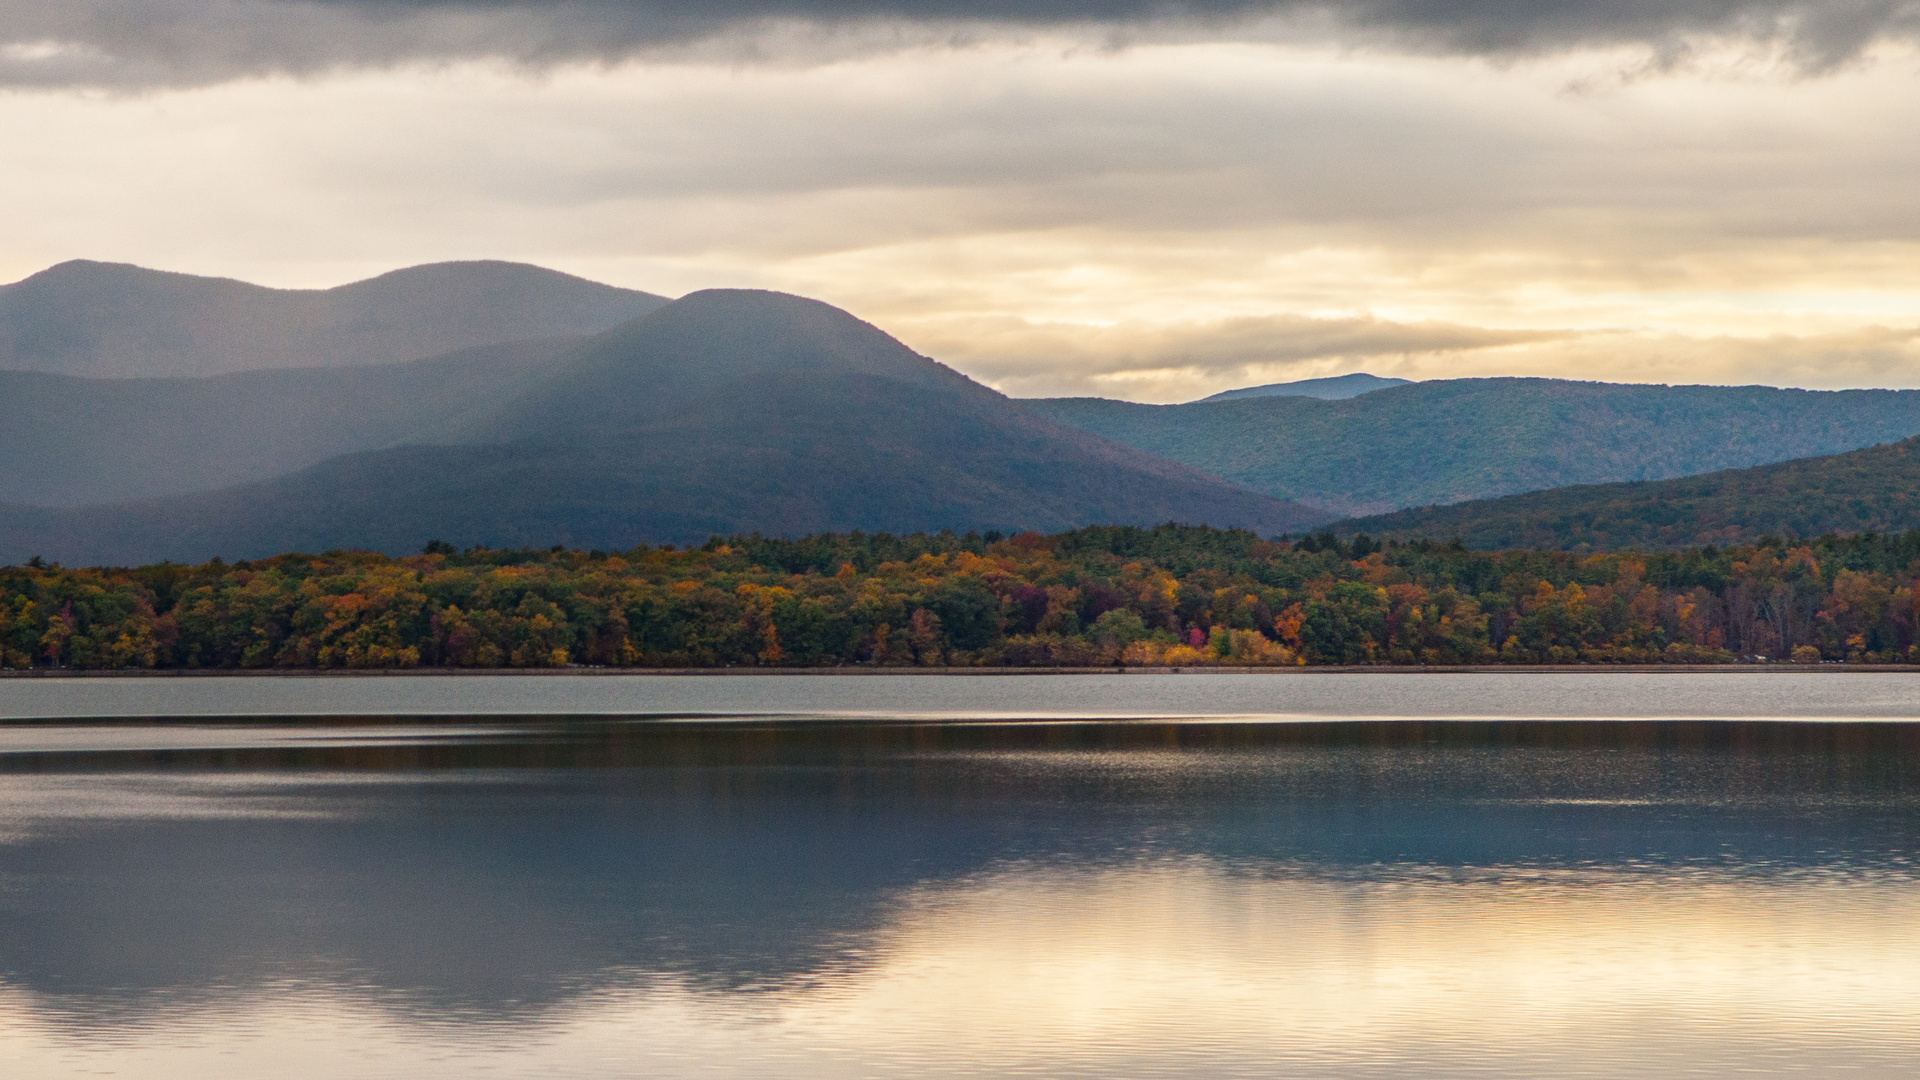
{"x":1872,"y":490}
{"x":724,"y":412}
{"x":1335,"y":388}
{"x":111,"y":320}
{"x":1456,"y":440}
{"x":69,"y":441}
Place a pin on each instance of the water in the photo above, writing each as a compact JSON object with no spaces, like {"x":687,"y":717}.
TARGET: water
{"x":596,"y":895}
{"x":1753,"y":693}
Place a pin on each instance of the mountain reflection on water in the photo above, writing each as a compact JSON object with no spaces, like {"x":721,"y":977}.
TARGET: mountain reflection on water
{"x":602,"y":897}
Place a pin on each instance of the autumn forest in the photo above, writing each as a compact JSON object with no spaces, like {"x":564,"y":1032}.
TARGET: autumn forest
{"x":1168,"y":596}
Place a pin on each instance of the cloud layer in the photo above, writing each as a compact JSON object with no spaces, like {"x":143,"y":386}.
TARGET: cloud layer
{"x":1241,"y":194}
{"x":149,"y":43}
{"x":1182,"y":362}
{"x":1167,"y":362}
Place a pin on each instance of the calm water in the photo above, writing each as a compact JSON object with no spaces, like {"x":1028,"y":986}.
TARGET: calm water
{"x":1754,"y":693}
{"x":598,"y":895}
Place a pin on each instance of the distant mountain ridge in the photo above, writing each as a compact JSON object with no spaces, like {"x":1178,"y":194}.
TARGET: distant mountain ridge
{"x":112,"y":320}
{"x":68,"y":441}
{"x":1334,"y":388}
{"x":727,"y":411}
{"x":1454,"y":440}
{"x":735,"y":411}
{"x":1871,"y":490}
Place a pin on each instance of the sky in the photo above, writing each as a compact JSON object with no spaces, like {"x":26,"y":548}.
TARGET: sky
{"x":1122,"y":198}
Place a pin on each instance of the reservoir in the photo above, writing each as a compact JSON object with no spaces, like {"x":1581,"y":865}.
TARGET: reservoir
{"x":1316,"y":875}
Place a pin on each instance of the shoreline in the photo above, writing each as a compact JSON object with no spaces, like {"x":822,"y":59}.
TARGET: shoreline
{"x":921,"y":672}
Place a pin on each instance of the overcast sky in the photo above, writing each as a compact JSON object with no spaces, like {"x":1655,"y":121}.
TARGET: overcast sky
{"x":1114,"y":197}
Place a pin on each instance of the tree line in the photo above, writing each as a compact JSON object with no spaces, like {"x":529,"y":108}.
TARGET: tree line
{"x":1108,"y":596}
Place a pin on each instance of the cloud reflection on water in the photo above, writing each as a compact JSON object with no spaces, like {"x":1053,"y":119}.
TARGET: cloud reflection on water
{"x":880,"y":900}
{"x":1174,"y":968}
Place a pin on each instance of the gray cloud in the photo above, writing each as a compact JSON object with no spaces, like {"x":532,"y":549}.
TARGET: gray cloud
{"x":139,"y":43}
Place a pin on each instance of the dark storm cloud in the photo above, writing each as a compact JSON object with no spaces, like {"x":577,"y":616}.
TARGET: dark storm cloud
{"x":180,"y":42}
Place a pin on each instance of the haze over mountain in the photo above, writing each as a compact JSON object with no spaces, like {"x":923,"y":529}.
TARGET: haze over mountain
{"x":723,"y":412}
{"x":110,"y":320}
{"x":1335,"y":388}
{"x":67,"y":441}
{"x":1871,"y":490}
{"x":1453,"y":440}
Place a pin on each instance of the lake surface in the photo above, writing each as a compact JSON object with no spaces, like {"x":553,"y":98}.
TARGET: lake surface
{"x":589,"y":893}
{"x":1754,"y":693}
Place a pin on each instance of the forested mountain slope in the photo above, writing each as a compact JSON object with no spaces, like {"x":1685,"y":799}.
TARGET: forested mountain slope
{"x":66,"y":441}
{"x":724,"y":412}
{"x":110,"y":320}
{"x":1873,"y":490}
{"x":1454,"y":440}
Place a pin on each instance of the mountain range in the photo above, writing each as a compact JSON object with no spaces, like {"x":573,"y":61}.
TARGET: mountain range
{"x":1454,"y":440}
{"x":727,"y":411}
{"x":110,"y":320}
{"x":164,"y":416}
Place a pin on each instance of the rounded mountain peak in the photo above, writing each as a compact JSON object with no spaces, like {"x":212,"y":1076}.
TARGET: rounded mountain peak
{"x":708,"y":342}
